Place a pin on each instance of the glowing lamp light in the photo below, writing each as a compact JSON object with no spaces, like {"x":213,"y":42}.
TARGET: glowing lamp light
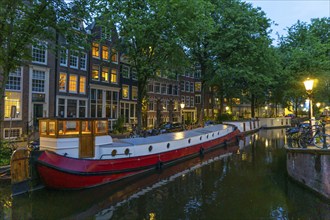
{"x":318,"y":105}
{"x":309,"y":83}
{"x":182,"y":105}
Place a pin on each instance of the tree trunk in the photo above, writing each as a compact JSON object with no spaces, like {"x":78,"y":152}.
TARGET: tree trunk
{"x":252,"y":106}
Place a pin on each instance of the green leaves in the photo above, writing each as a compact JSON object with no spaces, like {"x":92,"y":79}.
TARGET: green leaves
{"x":305,"y":53}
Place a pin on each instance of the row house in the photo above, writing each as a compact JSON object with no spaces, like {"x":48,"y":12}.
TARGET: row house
{"x":72,"y":71}
{"x":190,"y":93}
{"x":163,"y":104}
{"x":129,"y":92}
{"x":29,"y":93}
{"x":104,"y":69}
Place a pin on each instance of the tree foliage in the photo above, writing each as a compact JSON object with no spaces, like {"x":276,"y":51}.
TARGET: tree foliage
{"x":152,"y":34}
{"x":305,"y":52}
{"x":24,"y":23}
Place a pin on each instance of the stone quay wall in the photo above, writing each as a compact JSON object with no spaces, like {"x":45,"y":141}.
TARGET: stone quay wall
{"x":311,"y":167}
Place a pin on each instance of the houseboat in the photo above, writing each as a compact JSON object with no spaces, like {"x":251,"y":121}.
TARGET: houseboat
{"x":79,"y":153}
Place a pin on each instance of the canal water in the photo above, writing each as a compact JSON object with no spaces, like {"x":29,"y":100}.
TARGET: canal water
{"x":245,"y":181}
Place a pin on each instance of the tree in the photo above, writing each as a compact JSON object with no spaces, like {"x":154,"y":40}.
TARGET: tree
{"x":151,"y":35}
{"x":23,"y":23}
{"x":242,"y":51}
{"x":305,"y":53}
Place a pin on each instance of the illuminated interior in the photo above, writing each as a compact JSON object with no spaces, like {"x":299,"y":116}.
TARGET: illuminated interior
{"x":72,"y":127}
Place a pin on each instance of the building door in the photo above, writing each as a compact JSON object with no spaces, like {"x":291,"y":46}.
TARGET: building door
{"x":37,"y":113}
{"x":86,"y":140}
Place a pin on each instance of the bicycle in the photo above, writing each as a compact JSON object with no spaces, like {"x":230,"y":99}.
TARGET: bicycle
{"x":313,"y":136}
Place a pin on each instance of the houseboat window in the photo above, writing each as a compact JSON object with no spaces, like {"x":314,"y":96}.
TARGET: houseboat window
{"x":43,"y":127}
{"x":51,"y":128}
{"x":68,"y":127}
{"x":100,"y":126}
{"x":72,"y":127}
{"x":85,"y":127}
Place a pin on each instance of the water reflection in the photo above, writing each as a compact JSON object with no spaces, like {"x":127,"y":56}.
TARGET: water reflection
{"x":247,"y":181}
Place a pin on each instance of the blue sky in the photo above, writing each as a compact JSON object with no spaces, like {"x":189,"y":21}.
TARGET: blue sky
{"x":285,"y":13}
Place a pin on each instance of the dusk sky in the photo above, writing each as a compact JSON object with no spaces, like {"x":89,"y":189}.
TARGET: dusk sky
{"x":285,"y":13}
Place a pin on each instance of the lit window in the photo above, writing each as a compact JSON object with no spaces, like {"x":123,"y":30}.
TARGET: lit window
{"x":114,"y":76}
{"x":39,"y":53}
{"x":198,"y":87}
{"x":134,"y":92}
{"x":125,"y":91}
{"x":114,"y":56}
{"x":82,"y":85}
{"x":105,"y":74}
{"x":83,"y":61}
{"x":62,"y":82}
{"x":95,"y":72}
{"x":96,"y":50}
{"x":13,"y":99}
{"x":64,"y":57}
{"x":74,"y":59}
{"x":73,"y":84}
{"x":125,"y":71}
{"x":105,"y":53}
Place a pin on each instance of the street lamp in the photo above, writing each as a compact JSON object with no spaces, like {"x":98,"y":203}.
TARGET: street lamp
{"x":182,"y":117}
{"x":309,"y":83}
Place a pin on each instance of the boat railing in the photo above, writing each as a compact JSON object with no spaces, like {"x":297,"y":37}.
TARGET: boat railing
{"x":72,"y":127}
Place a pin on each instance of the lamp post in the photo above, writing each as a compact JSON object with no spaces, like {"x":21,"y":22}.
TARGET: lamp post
{"x":309,"y":83}
{"x":182,"y":117}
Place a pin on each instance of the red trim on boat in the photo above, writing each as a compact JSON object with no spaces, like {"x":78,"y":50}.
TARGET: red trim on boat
{"x":57,"y":171}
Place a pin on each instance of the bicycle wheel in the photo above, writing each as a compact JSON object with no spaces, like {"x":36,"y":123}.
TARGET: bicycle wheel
{"x":318,"y":140}
{"x":303,"y":141}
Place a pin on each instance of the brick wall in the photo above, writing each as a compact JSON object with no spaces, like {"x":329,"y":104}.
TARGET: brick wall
{"x":310,"y":167}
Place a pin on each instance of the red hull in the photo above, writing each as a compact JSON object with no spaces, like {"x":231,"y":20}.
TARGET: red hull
{"x":62,"y":172}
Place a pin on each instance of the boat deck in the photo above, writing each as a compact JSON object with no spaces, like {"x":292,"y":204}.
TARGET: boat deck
{"x":170,"y":136}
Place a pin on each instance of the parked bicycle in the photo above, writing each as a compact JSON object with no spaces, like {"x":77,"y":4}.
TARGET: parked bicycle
{"x":314,"y":136}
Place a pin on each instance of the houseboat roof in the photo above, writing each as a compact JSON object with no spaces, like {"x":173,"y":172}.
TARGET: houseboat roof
{"x":169,"y":136}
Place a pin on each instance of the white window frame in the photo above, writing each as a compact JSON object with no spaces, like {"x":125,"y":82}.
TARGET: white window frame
{"x":66,"y":57}
{"x":83,"y":58}
{"x":74,"y":55}
{"x":127,"y":70}
{"x":37,"y":47}
{"x":8,"y":130}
